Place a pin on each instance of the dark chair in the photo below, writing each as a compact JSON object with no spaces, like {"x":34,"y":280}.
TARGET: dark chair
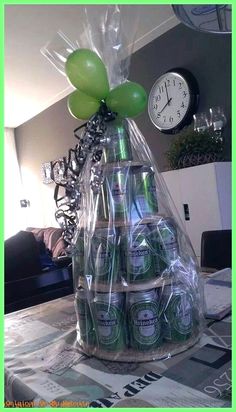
{"x":216,"y":249}
{"x":27,"y":283}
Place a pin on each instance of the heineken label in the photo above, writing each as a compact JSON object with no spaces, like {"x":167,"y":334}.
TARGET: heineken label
{"x":145,"y":322}
{"x":108,"y":323}
{"x":139,"y":257}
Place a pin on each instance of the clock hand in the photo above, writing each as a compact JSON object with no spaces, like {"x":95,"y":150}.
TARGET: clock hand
{"x":165,"y":106}
{"x":168,"y":100}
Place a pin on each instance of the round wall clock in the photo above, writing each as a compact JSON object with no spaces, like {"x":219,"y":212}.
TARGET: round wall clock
{"x":173,"y":100}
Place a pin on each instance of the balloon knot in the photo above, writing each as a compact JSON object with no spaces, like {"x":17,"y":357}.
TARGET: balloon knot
{"x":106,"y":113}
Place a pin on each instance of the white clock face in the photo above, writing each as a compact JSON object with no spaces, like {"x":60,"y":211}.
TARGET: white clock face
{"x":169,"y":101}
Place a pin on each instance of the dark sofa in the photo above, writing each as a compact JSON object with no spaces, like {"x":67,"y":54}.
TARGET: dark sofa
{"x":36,"y":268}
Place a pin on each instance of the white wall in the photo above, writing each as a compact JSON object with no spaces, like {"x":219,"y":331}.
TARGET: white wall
{"x":14,"y":219}
{"x":49,"y":135}
{"x":46,"y":137}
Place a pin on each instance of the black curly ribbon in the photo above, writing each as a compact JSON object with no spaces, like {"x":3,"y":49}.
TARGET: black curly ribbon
{"x":91,"y":141}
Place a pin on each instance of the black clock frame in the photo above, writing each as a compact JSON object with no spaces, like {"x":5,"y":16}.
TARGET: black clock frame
{"x":193,"y":104}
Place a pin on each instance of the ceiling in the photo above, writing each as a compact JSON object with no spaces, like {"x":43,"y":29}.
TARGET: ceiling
{"x":31,"y":83}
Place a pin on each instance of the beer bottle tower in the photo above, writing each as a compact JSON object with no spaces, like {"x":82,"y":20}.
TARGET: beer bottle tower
{"x":137,"y":295}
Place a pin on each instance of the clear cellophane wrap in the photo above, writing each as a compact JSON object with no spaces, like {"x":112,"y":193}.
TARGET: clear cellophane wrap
{"x":138,"y":293}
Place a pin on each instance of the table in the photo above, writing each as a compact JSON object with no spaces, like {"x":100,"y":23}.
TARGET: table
{"x":44,"y":367}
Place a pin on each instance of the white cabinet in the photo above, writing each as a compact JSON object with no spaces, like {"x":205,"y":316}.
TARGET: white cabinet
{"x":206,"y":192}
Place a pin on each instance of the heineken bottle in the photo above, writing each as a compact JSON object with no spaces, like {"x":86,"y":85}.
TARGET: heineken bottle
{"x":138,"y":263}
{"x":108,"y":311}
{"x":84,"y":326}
{"x":144,"y":320}
{"x":177,"y":313}
{"x":118,"y":146}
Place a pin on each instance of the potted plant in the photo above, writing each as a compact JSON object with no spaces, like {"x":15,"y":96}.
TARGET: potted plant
{"x":193,"y":148}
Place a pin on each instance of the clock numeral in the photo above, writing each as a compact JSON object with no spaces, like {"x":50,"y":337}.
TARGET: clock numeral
{"x":180,"y":85}
{"x":182,"y":105}
{"x":158,"y":115}
{"x":164,"y":117}
{"x":171,"y":119}
{"x":174,"y":82}
{"x":161,"y":89}
{"x":158,"y":98}
{"x":155,"y":106}
{"x":167,"y":82}
{"x":184,"y":94}
{"x":178,"y":113}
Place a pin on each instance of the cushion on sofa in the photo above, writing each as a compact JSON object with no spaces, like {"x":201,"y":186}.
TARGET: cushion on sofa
{"x":38,"y":232}
{"x":51,"y":236}
{"x":59,"y":248}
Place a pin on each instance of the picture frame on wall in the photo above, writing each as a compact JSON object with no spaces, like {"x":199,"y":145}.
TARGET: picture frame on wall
{"x":58,"y":170}
{"x":46,"y":172}
{"x":54,"y":171}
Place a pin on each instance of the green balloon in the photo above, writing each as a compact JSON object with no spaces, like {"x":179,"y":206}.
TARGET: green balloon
{"x":81,"y":105}
{"x":87,"y":73}
{"x":128,"y":100}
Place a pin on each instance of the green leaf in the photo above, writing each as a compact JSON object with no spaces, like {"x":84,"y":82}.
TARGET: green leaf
{"x":190,"y":142}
